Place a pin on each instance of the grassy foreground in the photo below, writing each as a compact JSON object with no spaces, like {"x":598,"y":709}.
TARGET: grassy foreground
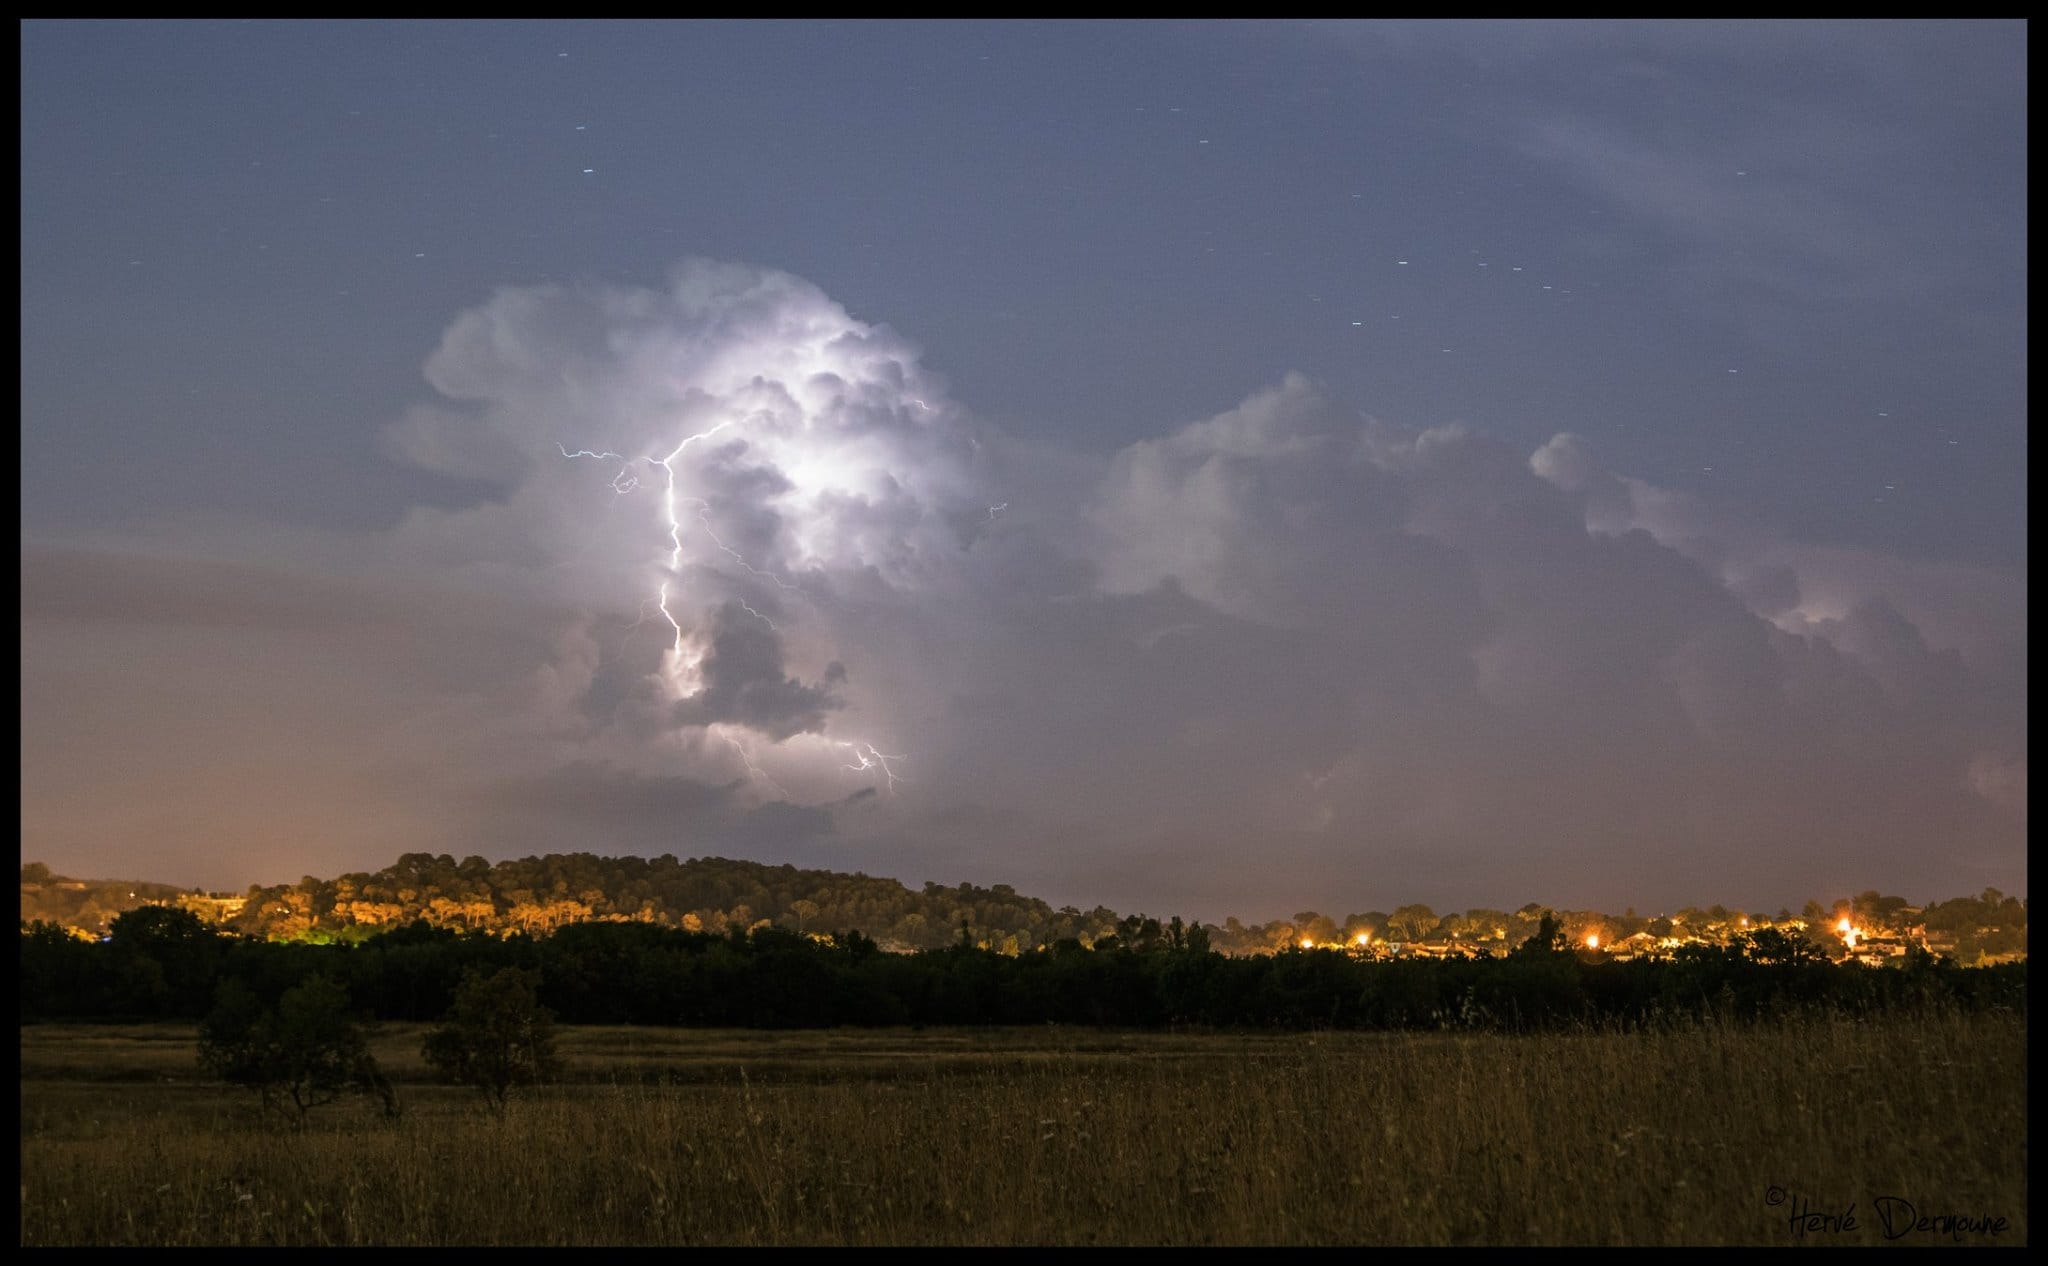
{"x":1708,"y":1135}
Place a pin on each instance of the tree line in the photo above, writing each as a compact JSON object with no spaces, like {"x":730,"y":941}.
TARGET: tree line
{"x":165,"y":963}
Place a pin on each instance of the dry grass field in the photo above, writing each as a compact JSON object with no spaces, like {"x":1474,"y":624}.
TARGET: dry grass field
{"x":1708,"y":1135}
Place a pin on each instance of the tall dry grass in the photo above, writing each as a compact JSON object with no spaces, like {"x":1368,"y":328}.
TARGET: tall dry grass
{"x":1051,"y":1137}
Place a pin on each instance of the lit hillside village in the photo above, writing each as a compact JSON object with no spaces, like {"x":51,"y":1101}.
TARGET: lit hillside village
{"x":1866,"y":940}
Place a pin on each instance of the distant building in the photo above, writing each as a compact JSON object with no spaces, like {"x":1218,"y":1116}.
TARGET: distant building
{"x":211,"y":908}
{"x":1636,"y":945}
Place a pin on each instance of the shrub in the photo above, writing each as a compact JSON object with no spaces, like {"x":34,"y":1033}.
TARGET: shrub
{"x":496,"y":1035}
{"x":306,"y":1051}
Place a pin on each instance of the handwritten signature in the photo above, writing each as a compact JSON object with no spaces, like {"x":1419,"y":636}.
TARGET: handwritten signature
{"x":1897,"y":1217}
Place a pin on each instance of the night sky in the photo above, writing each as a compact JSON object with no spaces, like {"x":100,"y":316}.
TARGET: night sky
{"x":1230,"y":469}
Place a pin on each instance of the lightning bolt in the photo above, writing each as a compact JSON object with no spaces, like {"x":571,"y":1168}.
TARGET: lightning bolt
{"x":869,"y":758}
{"x":625,"y":481}
{"x":747,"y":759}
{"x":993,"y":511}
{"x":704,"y":518}
{"x":639,"y":618}
{"x":682,"y":663}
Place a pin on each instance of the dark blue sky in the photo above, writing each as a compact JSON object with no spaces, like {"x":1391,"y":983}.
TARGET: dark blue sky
{"x":239,"y":238}
{"x":1779,"y":267}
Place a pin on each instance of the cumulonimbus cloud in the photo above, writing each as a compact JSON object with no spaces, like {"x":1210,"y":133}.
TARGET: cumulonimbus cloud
{"x":1288,"y":623}
{"x":1286,"y":650}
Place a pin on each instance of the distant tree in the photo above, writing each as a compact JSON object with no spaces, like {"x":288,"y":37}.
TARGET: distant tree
{"x":306,"y":1051}
{"x":1877,"y":911}
{"x":1548,"y":938}
{"x":1320,"y":928}
{"x":159,"y":927}
{"x":1411,"y":922}
{"x":1772,"y":945}
{"x":168,"y":958}
{"x":858,"y":948}
{"x":496,"y":1035}
{"x":1488,"y":925}
{"x":1141,"y":932}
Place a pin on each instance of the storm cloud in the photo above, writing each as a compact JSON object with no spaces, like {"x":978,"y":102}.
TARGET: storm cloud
{"x":1289,"y":653}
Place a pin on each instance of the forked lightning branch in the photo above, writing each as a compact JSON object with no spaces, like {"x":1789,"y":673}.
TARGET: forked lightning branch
{"x":682,"y":664}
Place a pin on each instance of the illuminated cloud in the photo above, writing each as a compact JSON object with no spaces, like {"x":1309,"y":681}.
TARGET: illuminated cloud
{"x":1287,"y":653}
{"x":725,"y":469}
{"x":743,"y":682}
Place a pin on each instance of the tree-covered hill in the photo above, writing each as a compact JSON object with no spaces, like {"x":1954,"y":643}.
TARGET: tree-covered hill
{"x":541,"y":894}
{"x":89,"y":905}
